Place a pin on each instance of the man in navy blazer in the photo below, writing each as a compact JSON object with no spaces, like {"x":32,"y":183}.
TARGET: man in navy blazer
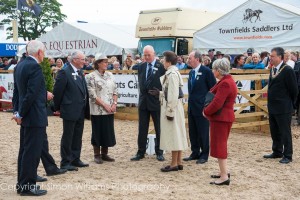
{"x":149,"y":73}
{"x":47,"y":159}
{"x":71,"y":99}
{"x":32,"y":116}
{"x":201,"y":80}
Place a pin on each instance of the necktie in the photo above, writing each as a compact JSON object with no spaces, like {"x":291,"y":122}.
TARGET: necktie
{"x":79,"y":74}
{"x":149,"y":70}
{"x":275,"y":70}
{"x":193,"y":77}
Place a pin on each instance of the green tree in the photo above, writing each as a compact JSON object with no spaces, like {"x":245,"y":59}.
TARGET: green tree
{"x":47,"y":74}
{"x":30,"y":26}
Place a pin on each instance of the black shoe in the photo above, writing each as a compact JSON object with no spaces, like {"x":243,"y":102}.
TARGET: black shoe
{"x":36,"y":191}
{"x":40,"y":179}
{"x":57,"y":172}
{"x":160,"y":157}
{"x":227,"y":182}
{"x":201,"y":161}
{"x":79,"y":163}
{"x":218,"y":176}
{"x":191,"y":157}
{"x":169,"y":169}
{"x":272,"y":155}
{"x":180,"y":167}
{"x":285,"y":160}
{"x":137,"y":157}
{"x":69,"y":167}
{"x":18,"y":188}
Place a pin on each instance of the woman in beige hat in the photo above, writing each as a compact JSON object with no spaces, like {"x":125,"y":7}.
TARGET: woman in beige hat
{"x":103,"y":103}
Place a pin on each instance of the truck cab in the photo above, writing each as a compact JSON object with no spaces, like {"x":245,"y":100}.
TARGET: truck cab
{"x":171,"y":29}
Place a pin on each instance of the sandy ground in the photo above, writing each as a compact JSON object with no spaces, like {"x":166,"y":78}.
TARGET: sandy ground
{"x":252,"y":177}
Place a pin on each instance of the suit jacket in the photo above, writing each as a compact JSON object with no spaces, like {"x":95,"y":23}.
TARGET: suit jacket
{"x":225,"y":94}
{"x":282,"y":91}
{"x":30,"y":95}
{"x":204,"y":81}
{"x":70,"y":95}
{"x":147,"y":101}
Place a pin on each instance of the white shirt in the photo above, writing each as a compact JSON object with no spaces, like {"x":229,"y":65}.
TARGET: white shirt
{"x":197,"y":69}
{"x":278,"y":67}
{"x":291,"y":63}
{"x":34,"y":58}
{"x":75,"y":69}
{"x":153,"y":62}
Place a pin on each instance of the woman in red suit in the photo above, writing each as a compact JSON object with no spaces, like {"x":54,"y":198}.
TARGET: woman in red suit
{"x":225,"y":92}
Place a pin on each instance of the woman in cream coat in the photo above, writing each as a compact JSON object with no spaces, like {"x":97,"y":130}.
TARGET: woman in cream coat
{"x":172,"y":120}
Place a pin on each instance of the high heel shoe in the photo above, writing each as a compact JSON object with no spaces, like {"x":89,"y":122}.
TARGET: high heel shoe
{"x":169,"y":169}
{"x":218,"y":176}
{"x":180,"y":167}
{"x":227,"y":182}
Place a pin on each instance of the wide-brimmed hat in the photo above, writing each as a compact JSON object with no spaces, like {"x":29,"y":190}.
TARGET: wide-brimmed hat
{"x":100,"y":56}
{"x":219,"y":53}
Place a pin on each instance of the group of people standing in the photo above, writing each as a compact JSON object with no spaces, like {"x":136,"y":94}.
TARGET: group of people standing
{"x":161,"y":98}
{"x":160,"y":87}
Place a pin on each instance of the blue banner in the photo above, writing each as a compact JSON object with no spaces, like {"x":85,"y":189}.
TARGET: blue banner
{"x":9,"y":49}
{"x":29,"y":6}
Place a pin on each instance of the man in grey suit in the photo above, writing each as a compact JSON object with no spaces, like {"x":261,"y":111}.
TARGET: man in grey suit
{"x":70,"y":98}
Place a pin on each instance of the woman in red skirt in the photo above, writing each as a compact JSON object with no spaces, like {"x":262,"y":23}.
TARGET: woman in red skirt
{"x":220,"y":114}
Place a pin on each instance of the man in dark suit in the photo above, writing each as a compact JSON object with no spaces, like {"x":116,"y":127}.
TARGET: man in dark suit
{"x":282,"y":94}
{"x":148,"y":74}
{"x":71,"y":99}
{"x":47,"y":160}
{"x":31,"y":114}
{"x":297,"y":72}
{"x":201,"y":80}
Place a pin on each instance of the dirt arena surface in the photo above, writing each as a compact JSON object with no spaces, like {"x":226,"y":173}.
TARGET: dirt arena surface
{"x":252,"y":177}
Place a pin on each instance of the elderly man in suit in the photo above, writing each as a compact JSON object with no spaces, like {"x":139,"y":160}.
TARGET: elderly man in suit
{"x":47,"y":159}
{"x":201,"y":80}
{"x":148,"y":75}
{"x":70,"y":98}
{"x":282,"y":95}
{"x":31,"y":114}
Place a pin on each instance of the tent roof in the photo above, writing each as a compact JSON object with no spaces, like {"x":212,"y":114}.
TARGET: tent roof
{"x":91,"y":38}
{"x":278,"y":25}
{"x":119,"y":35}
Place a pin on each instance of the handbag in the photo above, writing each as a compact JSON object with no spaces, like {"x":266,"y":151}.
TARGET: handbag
{"x":180,"y":95}
{"x":209,"y":97}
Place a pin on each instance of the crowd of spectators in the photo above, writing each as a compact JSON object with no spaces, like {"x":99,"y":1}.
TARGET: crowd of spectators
{"x":247,"y":60}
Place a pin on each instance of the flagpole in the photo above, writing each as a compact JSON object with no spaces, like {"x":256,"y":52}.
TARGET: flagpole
{"x":15,"y":25}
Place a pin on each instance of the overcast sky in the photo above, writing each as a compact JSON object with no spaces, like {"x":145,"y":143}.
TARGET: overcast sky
{"x":127,"y":11}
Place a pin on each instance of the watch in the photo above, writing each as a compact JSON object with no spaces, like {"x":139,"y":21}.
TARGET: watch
{"x":115,"y":103}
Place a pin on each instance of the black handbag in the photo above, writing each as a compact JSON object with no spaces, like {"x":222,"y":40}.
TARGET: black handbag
{"x":209,"y":97}
{"x":180,"y":95}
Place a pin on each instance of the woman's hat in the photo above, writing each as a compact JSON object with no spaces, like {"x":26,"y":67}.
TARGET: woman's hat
{"x":100,"y":56}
